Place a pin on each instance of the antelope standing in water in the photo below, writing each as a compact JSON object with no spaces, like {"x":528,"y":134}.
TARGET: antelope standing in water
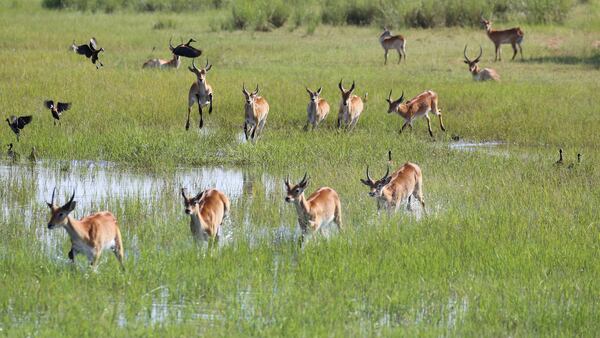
{"x":391,"y":191}
{"x":478,"y":73}
{"x":207,"y":211}
{"x":396,"y":42}
{"x":200,"y":92}
{"x":420,"y":105}
{"x":256,"y":110}
{"x":317,"y":108}
{"x":321,"y":208}
{"x":351,"y":106}
{"x":89,"y":235}
{"x":175,"y":62}
{"x":512,"y":36}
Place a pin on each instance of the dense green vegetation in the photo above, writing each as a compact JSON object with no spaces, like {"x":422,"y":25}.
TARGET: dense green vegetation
{"x":510,"y":245}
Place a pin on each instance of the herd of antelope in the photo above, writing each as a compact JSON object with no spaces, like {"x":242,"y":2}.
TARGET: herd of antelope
{"x":208,"y":209}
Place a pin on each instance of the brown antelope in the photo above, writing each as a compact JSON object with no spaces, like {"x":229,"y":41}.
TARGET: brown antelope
{"x":512,"y":36}
{"x":256,"y":110}
{"x":175,"y":62}
{"x":390,"y":191}
{"x":320,"y":209}
{"x":396,"y":42}
{"x":419,"y":106}
{"x":351,"y":106}
{"x":207,"y":211}
{"x":89,"y":235}
{"x":317,"y":108}
{"x":200,"y":92}
{"x":478,"y":73}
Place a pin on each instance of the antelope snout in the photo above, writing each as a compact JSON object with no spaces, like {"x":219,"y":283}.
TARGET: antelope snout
{"x":188,"y":211}
{"x":50,"y":226}
{"x":289,"y":199}
{"x":371,"y":193}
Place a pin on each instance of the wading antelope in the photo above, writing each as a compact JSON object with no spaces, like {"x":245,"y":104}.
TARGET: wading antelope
{"x":419,"y":106}
{"x":396,"y":42}
{"x":256,"y":110}
{"x":351,"y":106}
{"x":90,"y":51}
{"x":17,"y":123}
{"x":317,"y":108}
{"x":175,"y":62}
{"x":57,"y":109}
{"x":478,"y":73}
{"x":200,"y":92}
{"x":185,"y":50}
{"x":391,"y":191}
{"x":512,"y":36}
{"x":207,"y":211}
{"x":89,"y":235}
{"x":321,"y":208}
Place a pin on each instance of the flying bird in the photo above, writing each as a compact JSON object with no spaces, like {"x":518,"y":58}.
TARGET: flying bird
{"x":17,"y":123}
{"x":90,"y":51}
{"x":57,"y":109}
{"x":185,"y":49}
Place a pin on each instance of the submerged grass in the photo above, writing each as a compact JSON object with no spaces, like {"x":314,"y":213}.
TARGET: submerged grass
{"x":510,"y":246}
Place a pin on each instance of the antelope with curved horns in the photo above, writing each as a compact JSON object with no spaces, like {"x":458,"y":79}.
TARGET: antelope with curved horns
{"x":419,"y":106}
{"x":89,"y":235}
{"x":256,"y":110}
{"x":321,"y":208}
{"x":200,"y":92}
{"x":397,"y":42}
{"x":175,"y":62}
{"x":207,"y":211}
{"x":351,"y":106}
{"x":478,"y":73}
{"x":512,"y":36}
{"x":390,"y":191}
{"x":317,"y":108}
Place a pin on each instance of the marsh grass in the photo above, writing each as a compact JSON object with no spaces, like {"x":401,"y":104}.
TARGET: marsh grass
{"x":509,"y":247}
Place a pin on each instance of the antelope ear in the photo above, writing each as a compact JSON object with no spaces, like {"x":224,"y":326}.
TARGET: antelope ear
{"x":49,"y":205}
{"x":191,"y":69}
{"x":465,"y":61}
{"x":199,"y":196}
{"x":387,"y":180}
{"x":365,"y":182}
{"x":71,"y":206}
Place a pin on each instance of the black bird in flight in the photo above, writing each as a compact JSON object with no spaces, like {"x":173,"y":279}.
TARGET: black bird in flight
{"x":17,"y":123}
{"x":185,"y":49}
{"x":57,"y":109}
{"x":90,"y":51}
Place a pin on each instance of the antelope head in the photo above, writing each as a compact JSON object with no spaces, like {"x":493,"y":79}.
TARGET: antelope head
{"x":386,"y":33}
{"x":377,"y":186}
{"x":191,"y":204}
{"x":200,"y":73}
{"x":346,"y":94}
{"x":250,"y":96}
{"x":294,"y":192}
{"x":58,"y":215}
{"x":314,"y":96}
{"x":486,"y":23}
{"x":472,"y":63}
{"x":393,"y":105}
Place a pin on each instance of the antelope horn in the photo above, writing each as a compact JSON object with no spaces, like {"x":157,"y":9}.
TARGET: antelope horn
{"x":401,"y":97}
{"x":352,"y":87}
{"x":387,"y":172}
{"x":287,"y":180}
{"x":390,"y":96}
{"x":465,"y":54}
{"x":206,"y":63}
{"x":389,"y":156}
{"x":72,"y":197}
{"x":53,"y":193}
{"x":170,"y":45}
{"x":303,"y":179}
{"x":194,"y":64}
{"x":256,"y":90}
{"x":183,"y":193}
{"x":341,"y":86}
{"x":369,"y":176}
{"x":480,"y":53}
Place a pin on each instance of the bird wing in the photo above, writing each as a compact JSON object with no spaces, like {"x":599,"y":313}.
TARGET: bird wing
{"x":84,"y":50}
{"x":187,"y":51}
{"x":49,"y":104}
{"x":62,"y":106}
{"x":93,"y":43}
{"x":22,"y":121}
